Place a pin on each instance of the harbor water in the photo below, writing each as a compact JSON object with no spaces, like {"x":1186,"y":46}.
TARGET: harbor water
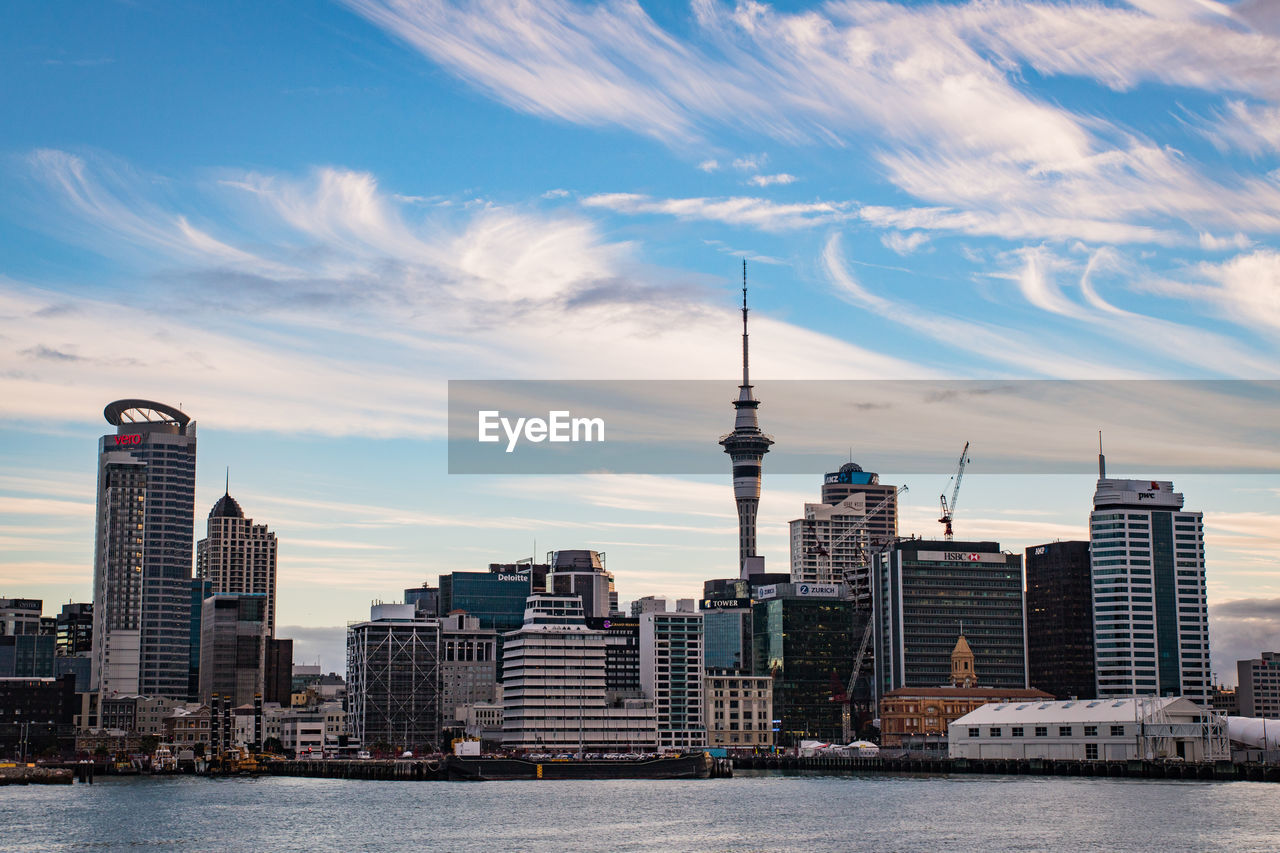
{"x":766,"y":811}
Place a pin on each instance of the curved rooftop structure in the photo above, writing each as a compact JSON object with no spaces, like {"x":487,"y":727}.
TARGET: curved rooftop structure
{"x":129,"y":413}
{"x":850,"y":466}
{"x":226,"y":507}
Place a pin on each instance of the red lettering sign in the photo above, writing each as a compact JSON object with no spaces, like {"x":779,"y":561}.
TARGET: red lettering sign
{"x":128,"y":439}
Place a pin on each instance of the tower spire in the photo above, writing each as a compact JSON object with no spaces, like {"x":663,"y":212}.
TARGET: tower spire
{"x":746,"y":376}
{"x":227,"y":490}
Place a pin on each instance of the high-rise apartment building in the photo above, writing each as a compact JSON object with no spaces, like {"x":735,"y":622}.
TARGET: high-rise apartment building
{"x":142,"y":550}
{"x":929,"y":592}
{"x":238,"y":556}
{"x":671,"y":671}
{"x":554,"y":686}
{"x":834,"y":541}
{"x":1150,"y":613}
{"x":1060,"y":619}
{"x":393,"y":679}
{"x":1258,"y":694}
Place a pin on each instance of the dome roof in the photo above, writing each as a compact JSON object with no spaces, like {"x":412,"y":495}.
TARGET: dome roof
{"x":226,"y":507}
{"x":850,"y":466}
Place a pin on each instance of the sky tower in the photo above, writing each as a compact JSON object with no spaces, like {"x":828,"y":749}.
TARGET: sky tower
{"x":746,"y":447}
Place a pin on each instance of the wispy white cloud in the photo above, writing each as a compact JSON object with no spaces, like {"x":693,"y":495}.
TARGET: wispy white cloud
{"x":1010,"y":347}
{"x":770,"y":180}
{"x":351,"y":299}
{"x":938,"y":85}
{"x":738,"y":210}
{"x":709,"y":165}
{"x":904,"y":244}
{"x":750,"y":162}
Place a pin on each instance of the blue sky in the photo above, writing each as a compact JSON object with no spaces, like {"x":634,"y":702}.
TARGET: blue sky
{"x":300,"y":222}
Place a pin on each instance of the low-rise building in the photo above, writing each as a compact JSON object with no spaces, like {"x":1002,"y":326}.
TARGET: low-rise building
{"x":1259,"y":691}
{"x":1225,"y":700}
{"x":1150,"y":727}
{"x":739,"y":709}
{"x":918,"y":717}
{"x":188,"y":726}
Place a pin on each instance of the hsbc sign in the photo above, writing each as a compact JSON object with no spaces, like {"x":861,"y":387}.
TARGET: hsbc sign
{"x":960,"y":557}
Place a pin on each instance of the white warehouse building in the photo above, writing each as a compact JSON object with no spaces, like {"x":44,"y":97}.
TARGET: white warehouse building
{"x":1149,"y":727}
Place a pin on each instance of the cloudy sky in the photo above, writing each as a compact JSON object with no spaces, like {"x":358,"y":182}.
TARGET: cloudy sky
{"x":299,"y":222}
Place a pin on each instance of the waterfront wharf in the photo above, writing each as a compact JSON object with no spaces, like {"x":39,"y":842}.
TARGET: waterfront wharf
{"x":1142,"y":769}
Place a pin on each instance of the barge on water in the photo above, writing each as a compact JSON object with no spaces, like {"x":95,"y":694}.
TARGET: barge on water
{"x":454,"y":768}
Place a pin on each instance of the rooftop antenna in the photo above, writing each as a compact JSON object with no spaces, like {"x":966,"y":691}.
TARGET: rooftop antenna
{"x":227,"y":491}
{"x":1102,"y":460}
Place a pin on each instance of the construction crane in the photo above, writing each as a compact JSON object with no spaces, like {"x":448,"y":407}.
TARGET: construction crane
{"x":846,"y":719}
{"x":949,"y":509}
{"x":828,"y":550}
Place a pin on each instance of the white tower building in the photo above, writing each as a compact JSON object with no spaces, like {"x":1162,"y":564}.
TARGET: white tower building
{"x":671,"y":674}
{"x":1150,"y":614}
{"x":553,"y":686}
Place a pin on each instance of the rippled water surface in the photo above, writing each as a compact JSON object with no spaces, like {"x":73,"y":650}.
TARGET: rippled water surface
{"x":754,"y":811}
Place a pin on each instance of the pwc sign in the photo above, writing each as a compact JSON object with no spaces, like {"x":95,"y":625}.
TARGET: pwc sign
{"x":122,"y":440}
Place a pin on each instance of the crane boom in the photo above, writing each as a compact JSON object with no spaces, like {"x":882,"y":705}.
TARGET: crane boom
{"x":949,"y":509}
{"x":856,"y":527}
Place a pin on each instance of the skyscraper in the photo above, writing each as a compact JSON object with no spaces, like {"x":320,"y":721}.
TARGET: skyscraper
{"x":929,"y":592}
{"x":805,"y":636}
{"x":1060,"y":620}
{"x":833,"y":542}
{"x":1150,"y":614}
{"x":142,"y":550}
{"x":238,"y":556}
{"x":232,"y":647}
{"x":746,"y":447}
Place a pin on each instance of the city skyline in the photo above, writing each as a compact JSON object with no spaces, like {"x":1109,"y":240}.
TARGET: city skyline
{"x":318,"y":218}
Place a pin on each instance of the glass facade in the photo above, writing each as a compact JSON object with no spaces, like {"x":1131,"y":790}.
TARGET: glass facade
{"x":497,"y":599}
{"x":807,"y":645}
{"x":727,"y":639}
{"x":1060,"y":620}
